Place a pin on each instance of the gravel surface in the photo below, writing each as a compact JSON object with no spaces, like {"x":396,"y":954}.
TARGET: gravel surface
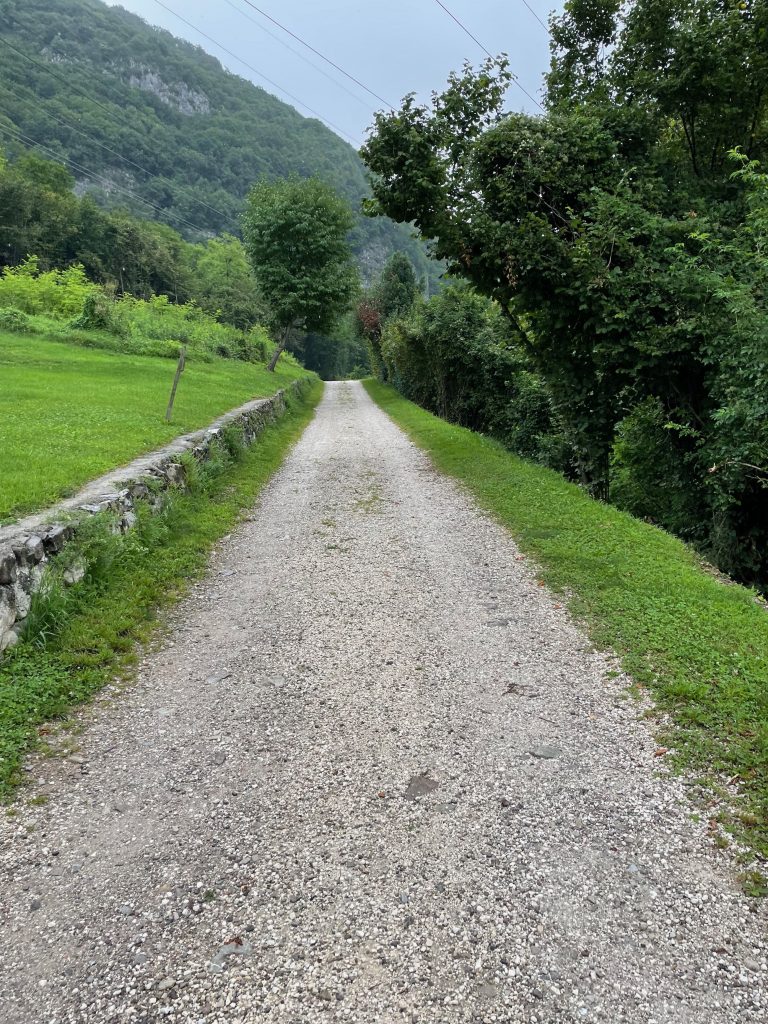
{"x":377,"y":775}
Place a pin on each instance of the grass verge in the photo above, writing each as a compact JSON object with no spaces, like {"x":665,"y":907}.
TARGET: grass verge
{"x":84,"y":636}
{"x":700,"y":645}
{"x":68,"y":414}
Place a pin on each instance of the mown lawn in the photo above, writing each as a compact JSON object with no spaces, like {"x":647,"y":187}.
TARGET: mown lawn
{"x":699,"y":644}
{"x":87,"y":634}
{"x":68,"y":414}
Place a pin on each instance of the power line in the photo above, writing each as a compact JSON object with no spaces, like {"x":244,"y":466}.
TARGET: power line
{"x":100,"y":179}
{"x":487,"y":52}
{"x":296,"y":53}
{"x":322,"y":56}
{"x":464,"y":28}
{"x":113,"y":152}
{"x":83,"y":92}
{"x":250,"y":67}
{"x":545,"y":27}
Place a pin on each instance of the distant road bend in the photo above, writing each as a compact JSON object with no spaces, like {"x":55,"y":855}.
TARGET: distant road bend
{"x":375,"y":774}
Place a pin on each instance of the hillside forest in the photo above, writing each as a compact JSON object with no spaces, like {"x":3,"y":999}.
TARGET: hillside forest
{"x":157,"y":127}
{"x":608,"y":315}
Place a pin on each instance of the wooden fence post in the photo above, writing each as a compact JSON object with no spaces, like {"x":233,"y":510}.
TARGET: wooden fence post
{"x":179,"y":371}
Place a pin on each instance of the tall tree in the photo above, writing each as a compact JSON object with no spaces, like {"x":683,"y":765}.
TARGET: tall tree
{"x":607,"y":230}
{"x":224,"y":283}
{"x":295,"y":234}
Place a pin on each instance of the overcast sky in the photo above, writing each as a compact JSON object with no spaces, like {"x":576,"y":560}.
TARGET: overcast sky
{"x":392,"y":46}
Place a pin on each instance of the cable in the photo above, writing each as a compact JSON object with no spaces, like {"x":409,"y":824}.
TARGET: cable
{"x":464,"y":28}
{"x":113,"y":152}
{"x":250,"y":67}
{"x":487,"y":52}
{"x":296,"y":53}
{"x":20,"y":136}
{"x":111,"y":113}
{"x":318,"y":54}
{"x":58,"y":77}
{"x":545,"y":27}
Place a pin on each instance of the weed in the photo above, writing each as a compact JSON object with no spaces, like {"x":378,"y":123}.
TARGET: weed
{"x":48,"y":610}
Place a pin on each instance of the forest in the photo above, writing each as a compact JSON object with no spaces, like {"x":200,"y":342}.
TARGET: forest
{"x":156,"y":126}
{"x":608,"y":315}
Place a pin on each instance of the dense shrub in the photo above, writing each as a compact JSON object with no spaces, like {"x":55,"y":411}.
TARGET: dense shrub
{"x":14,"y":320}
{"x":655,"y":471}
{"x":98,"y":314}
{"x":66,"y":304}
{"x":60,"y":293}
{"x":457,"y":356}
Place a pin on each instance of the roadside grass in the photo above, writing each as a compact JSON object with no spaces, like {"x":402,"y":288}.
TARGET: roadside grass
{"x":69,"y":414}
{"x":76,"y":648}
{"x":700,"y":645}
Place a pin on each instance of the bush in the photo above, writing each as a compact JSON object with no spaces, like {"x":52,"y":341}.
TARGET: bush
{"x":99,"y":314}
{"x":653,"y":471}
{"x":457,"y":356}
{"x":14,"y":320}
{"x":93,"y":318}
{"x":60,"y":293}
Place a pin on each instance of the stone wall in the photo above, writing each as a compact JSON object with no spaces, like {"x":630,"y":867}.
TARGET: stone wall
{"x":28,"y":547}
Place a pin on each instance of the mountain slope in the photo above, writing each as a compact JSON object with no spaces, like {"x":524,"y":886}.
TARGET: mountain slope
{"x":155,"y":102}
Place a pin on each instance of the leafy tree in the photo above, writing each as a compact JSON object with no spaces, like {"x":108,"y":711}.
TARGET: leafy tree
{"x":616,"y":239}
{"x":393,"y":294}
{"x":224,"y":282}
{"x":296,"y":237}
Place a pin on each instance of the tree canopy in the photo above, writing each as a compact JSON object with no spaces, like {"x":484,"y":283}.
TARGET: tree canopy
{"x":295,"y":234}
{"x":623,"y":235}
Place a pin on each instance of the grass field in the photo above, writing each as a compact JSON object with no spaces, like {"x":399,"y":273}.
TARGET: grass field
{"x":91,"y":630}
{"x":700,"y":645}
{"x":68,"y":414}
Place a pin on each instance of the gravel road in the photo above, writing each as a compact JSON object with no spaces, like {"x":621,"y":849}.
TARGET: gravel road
{"x":375,"y":774}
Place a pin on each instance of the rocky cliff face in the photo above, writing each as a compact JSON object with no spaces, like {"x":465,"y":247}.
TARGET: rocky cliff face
{"x":176,"y":94}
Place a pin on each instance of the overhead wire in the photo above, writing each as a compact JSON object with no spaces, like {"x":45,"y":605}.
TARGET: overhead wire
{"x":322,"y":56}
{"x":260,"y":74}
{"x":113,"y":152}
{"x":543,"y":25}
{"x":486,"y":51}
{"x":101,"y":179}
{"x":84,"y":92}
{"x":282,"y":42}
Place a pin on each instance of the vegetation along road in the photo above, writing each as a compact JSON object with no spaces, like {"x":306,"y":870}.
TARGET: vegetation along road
{"x":376,"y":774}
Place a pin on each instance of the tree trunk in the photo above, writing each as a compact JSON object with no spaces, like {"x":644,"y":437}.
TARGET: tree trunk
{"x":280,"y":348}
{"x":276,"y":355}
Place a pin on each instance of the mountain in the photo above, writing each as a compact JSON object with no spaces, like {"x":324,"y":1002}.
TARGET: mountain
{"x":138,"y":114}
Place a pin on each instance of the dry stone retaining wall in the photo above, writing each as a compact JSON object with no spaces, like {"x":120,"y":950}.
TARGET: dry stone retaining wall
{"x":29,"y":547}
